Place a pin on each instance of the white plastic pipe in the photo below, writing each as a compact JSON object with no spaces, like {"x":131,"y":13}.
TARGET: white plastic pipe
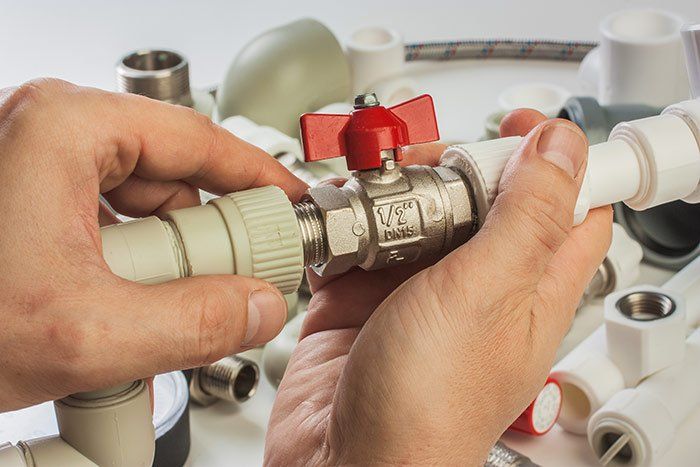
{"x":589,"y":377}
{"x":636,"y":426}
{"x":645,"y":162}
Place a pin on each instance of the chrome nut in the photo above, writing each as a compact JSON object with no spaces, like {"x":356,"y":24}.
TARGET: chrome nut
{"x":645,"y":331}
{"x":344,"y":229}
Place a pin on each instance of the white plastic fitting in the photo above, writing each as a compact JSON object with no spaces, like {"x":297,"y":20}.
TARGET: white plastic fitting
{"x":636,"y":426}
{"x":112,"y":427}
{"x":546,"y":97}
{"x":641,"y":58}
{"x":253,"y":233}
{"x":269,"y":139}
{"x":644,"y":163}
{"x":624,"y":256}
{"x":375,"y":55}
{"x":47,"y":451}
{"x":645,"y":330}
{"x":589,"y":377}
{"x":691,"y":45}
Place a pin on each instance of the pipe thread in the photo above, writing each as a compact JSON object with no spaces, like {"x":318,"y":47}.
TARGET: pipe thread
{"x":232,"y":378}
{"x":159,"y":74}
{"x":313,"y":233}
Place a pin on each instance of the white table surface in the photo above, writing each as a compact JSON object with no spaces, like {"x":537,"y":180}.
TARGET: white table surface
{"x":81,"y":42}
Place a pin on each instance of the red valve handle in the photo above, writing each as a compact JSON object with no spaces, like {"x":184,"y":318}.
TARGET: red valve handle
{"x":361,"y":135}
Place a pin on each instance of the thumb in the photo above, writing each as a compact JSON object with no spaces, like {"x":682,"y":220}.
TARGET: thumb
{"x":189,"y":322}
{"x":534,"y":209}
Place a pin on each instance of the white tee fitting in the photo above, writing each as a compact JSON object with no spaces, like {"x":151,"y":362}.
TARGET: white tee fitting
{"x":589,"y":376}
{"x":645,"y":329}
{"x":637,"y":426}
{"x":375,"y":55}
{"x":641,"y":60}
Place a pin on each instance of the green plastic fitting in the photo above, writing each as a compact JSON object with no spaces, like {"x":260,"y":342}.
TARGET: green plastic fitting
{"x":285,"y":72}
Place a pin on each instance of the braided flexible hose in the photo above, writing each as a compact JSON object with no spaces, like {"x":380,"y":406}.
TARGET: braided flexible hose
{"x":499,"y":48}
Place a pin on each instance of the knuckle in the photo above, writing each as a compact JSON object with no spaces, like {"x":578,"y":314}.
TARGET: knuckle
{"x":34,"y":98}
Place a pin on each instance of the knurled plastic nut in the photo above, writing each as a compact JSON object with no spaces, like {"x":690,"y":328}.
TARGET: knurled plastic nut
{"x":645,"y":330}
{"x":339,"y":218}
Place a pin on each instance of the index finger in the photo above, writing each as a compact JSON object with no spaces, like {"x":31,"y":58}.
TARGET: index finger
{"x":162,"y":142}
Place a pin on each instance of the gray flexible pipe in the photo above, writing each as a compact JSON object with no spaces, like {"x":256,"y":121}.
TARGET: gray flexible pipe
{"x":540,"y":49}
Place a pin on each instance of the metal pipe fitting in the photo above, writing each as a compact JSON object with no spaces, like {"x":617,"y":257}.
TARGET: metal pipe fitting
{"x":156,"y":73}
{"x":503,"y":456}
{"x":233,"y":379}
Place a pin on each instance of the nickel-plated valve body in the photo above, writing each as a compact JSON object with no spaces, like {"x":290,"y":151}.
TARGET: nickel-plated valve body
{"x":386,"y":217}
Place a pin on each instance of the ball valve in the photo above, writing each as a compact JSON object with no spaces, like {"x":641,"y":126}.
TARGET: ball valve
{"x":387,"y":215}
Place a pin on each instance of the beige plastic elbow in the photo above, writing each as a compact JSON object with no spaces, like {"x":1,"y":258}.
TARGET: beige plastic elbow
{"x":285,"y":72}
{"x":252,"y":233}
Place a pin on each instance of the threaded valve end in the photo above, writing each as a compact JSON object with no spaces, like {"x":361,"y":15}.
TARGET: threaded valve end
{"x":313,"y":233}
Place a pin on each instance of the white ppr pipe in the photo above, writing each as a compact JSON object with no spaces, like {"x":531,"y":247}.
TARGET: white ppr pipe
{"x":589,"y":377}
{"x":645,"y":162}
{"x":375,"y":54}
{"x":636,"y":426}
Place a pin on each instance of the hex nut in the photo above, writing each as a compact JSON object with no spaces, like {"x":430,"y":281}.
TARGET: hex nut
{"x":339,"y":218}
{"x":645,"y":329}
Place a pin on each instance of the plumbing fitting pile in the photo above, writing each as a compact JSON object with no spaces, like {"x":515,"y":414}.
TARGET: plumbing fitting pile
{"x":386,"y":215}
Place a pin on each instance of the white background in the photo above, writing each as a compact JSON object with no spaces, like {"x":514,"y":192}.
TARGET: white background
{"x":81,"y":42}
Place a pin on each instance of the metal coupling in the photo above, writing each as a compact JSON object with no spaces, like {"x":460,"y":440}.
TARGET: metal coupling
{"x":163,"y":75}
{"x":232,"y":378}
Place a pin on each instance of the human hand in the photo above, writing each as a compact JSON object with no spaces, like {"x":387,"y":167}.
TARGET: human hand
{"x":71,"y":325}
{"x":430,"y":366}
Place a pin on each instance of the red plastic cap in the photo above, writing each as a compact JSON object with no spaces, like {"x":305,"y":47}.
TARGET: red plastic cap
{"x":543,"y":413}
{"x":361,"y":135}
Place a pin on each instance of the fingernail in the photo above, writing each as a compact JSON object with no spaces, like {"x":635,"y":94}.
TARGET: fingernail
{"x":563,"y":146}
{"x":267,"y":312}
